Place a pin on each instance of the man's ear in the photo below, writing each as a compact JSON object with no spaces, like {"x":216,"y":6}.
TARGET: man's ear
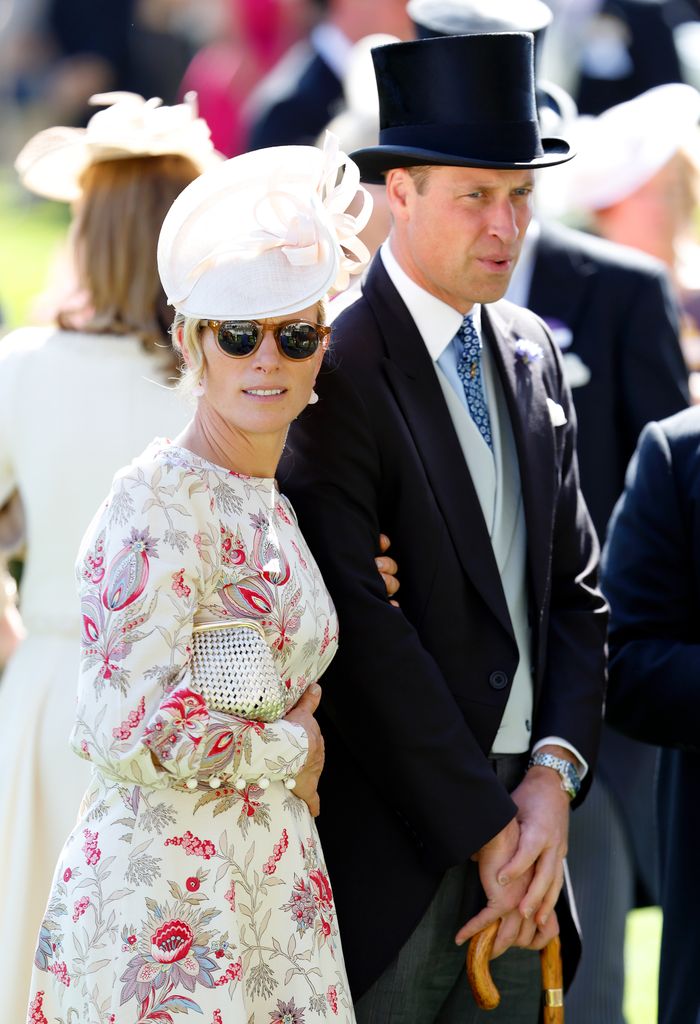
{"x":399,"y":190}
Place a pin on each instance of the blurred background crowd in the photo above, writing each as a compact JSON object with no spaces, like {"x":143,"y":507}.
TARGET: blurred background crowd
{"x":273,"y":72}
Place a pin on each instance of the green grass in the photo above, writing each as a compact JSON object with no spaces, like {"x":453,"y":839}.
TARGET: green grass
{"x":642,"y":943}
{"x":30,"y":233}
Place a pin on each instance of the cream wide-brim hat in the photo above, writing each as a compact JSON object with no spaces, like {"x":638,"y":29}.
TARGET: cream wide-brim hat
{"x":264,"y":234}
{"x":626,"y":145}
{"x":52,"y":163}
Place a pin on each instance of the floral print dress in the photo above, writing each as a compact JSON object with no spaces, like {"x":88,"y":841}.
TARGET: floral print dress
{"x":193,"y":884}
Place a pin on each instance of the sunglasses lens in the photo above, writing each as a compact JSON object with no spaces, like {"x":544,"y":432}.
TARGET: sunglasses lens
{"x":299,"y":340}
{"x":237,"y":337}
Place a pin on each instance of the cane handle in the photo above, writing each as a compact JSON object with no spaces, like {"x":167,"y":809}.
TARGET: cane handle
{"x":487,"y":996}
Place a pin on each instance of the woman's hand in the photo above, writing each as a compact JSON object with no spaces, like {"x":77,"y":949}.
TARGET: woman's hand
{"x":388,"y":568}
{"x":307,"y":780}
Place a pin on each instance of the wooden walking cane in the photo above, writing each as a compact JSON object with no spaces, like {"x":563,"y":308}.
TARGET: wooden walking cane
{"x":486,"y":994}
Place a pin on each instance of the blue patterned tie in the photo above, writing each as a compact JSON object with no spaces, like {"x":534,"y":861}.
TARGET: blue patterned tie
{"x":469,"y":372}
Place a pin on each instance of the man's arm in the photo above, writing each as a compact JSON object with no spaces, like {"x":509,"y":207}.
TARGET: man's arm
{"x":649,"y":576}
{"x":569,"y":707}
{"x":414,"y":737}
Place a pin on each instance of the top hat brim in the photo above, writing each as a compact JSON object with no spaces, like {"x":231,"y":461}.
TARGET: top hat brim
{"x":375,"y":161}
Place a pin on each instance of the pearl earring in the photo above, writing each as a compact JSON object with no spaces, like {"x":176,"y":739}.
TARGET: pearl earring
{"x":313,"y":398}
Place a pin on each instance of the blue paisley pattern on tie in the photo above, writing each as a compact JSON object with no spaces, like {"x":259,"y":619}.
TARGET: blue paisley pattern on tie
{"x":469,"y":371}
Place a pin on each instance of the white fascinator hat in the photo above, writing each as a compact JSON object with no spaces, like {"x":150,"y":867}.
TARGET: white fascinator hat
{"x":264,"y":234}
{"x":53,"y":162}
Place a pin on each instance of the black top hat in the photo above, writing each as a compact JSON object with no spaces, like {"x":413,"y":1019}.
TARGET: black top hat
{"x":461,"y":101}
{"x":474,"y":17}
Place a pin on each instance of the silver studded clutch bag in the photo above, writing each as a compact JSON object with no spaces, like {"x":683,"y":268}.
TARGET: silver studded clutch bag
{"x":233,"y":669}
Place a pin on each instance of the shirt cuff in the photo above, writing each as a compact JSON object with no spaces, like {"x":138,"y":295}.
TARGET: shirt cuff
{"x":557,"y":741}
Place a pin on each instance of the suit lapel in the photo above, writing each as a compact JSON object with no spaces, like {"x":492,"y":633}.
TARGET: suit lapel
{"x":526,"y":397}
{"x":413,"y":381}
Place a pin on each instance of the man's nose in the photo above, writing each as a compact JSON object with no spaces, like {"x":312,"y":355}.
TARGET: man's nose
{"x":504,"y":221}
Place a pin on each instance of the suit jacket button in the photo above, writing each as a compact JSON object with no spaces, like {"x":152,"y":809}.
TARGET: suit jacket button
{"x":498,"y":680}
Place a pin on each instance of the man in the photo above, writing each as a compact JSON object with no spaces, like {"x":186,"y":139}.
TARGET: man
{"x":449,"y":422}
{"x":651,"y":570}
{"x":613,"y":315}
{"x":298,"y":98}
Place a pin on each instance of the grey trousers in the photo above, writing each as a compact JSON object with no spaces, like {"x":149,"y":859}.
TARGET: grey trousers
{"x":602,"y":874}
{"x":427,"y":982}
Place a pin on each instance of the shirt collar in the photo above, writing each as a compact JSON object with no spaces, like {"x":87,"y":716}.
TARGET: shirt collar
{"x":437,"y":322}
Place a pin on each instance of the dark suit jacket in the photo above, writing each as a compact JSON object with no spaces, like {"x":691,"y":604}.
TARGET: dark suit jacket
{"x":624,"y":322}
{"x":298,"y":117}
{"x":653,"y":59}
{"x":652,"y":578}
{"x":415,"y":695}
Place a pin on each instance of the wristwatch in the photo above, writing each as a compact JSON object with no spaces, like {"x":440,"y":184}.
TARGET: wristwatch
{"x":570,"y":780}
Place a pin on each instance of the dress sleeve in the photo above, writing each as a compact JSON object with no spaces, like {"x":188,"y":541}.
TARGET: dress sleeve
{"x":147,"y":561}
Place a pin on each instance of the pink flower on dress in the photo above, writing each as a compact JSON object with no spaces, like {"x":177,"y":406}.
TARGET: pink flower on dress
{"x":332,"y":998}
{"x":193,"y":846}
{"x":67,"y":875}
{"x":234,"y":972}
{"x":90,"y":847}
{"x":80,"y":907}
{"x":230,"y":896}
{"x":179,"y":585}
{"x":321,"y":889}
{"x":61,"y":972}
{"x":134,"y":718}
{"x":270,"y":865}
{"x":172,"y":942}
{"x":36,"y":1014}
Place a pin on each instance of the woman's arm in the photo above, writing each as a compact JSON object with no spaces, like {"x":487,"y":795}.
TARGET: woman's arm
{"x":149,"y":559}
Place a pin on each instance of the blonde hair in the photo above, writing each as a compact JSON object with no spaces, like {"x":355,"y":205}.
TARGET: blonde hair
{"x":186,"y":333}
{"x":115,"y":233}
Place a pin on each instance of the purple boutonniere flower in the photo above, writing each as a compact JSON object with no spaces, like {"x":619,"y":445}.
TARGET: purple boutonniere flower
{"x":528,"y":351}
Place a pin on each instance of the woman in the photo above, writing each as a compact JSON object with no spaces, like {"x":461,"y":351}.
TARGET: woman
{"x":193,"y":881}
{"x":77,"y":400}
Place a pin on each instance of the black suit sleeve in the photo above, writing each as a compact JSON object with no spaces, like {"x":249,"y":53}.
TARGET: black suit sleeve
{"x":649,"y":581}
{"x":384,"y":691}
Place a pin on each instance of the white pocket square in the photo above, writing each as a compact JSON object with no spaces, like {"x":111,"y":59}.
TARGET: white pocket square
{"x":556,"y":413}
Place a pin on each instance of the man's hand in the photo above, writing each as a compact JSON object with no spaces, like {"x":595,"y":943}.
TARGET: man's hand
{"x":307,"y":780}
{"x":521,"y":868}
{"x":387,"y":568}
{"x":502,"y":896}
{"x":543,"y":815}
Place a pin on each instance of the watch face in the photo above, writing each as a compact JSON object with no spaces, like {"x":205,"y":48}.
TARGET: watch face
{"x":572,"y":781}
